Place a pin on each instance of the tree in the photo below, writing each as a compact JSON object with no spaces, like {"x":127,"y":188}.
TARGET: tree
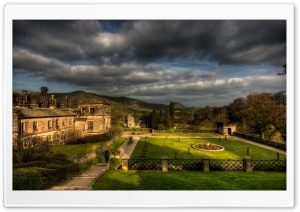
{"x":172,"y":113}
{"x":280,"y":98}
{"x":261,"y":112}
{"x":28,"y":148}
{"x":154,"y":119}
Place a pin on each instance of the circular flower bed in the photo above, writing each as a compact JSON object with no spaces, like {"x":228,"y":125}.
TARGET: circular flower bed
{"x":208,"y":147}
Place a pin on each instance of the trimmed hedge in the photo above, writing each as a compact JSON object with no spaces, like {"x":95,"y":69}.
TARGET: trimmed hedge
{"x":39,"y":175}
{"x":27,"y":179}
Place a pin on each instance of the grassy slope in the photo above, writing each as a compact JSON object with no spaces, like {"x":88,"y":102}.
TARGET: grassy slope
{"x":76,"y":149}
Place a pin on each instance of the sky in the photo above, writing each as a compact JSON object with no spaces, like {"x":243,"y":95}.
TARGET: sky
{"x":194,"y":62}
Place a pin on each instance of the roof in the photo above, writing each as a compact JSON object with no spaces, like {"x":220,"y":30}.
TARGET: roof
{"x":42,"y":112}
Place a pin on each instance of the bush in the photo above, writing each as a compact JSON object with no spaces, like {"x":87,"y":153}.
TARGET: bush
{"x":110,"y":134}
{"x":161,"y":127}
{"x":30,"y":148}
{"x":51,"y":172}
{"x":27,"y":179}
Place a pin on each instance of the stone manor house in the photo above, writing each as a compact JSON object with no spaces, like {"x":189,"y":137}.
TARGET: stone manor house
{"x":58,"y":125}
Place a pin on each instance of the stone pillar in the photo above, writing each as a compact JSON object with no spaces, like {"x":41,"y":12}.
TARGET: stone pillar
{"x":205,"y":164}
{"x":165,"y":164}
{"x":247,"y":164}
{"x":124,"y":165}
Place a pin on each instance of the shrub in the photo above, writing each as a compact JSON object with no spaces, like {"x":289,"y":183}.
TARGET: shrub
{"x":161,"y":127}
{"x":110,"y":134}
{"x":28,"y":148}
{"x":52,"y":171}
{"x":27,"y":179}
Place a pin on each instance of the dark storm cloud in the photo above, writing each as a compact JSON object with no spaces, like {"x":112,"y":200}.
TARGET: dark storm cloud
{"x":226,"y":42}
{"x":158,"y":60}
{"x":48,"y":69}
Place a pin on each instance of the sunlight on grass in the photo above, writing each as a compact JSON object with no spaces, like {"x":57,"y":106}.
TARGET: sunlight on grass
{"x":190,"y":180}
{"x":182,"y":148}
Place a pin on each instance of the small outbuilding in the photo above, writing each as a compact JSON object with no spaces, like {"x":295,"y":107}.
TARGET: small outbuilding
{"x":132,"y":122}
{"x":226,"y":129}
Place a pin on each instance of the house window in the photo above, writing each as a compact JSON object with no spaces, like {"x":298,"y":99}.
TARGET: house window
{"x":35,"y":126}
{"x":50,"y":125}
{"x":70,"y":121}
{"x":90,"y":125}
{"x":92,"y":110}
{"x":22,"y":127}
{"x":63,"y":122}
{"x":56,"y":123}
{"x":83,"y":110}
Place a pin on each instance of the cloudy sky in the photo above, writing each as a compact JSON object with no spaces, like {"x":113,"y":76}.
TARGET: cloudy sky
{"x":197,"y":63}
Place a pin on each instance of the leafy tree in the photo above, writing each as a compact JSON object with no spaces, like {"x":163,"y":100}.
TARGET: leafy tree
{"x":262,"y":112}
{"x":154,"y":119}
{"x":280,"y":98}
{"x":220,"y":114}
{"x":172,"y":113}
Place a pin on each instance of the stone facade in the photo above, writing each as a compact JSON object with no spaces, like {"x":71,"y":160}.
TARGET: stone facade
{"x":53,"y":125}
{"x":226,"y":129}
{"x":132,"y":122}
{"x":93,"y":117}
{"x":35,"y":99}
{"x":61,"y":125}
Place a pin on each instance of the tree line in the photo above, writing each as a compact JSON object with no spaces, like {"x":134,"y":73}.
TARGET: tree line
{"x":263,"y":114}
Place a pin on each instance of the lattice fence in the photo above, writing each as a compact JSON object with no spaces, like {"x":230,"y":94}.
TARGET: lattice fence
{"x":185,"y":164}
{"x":226,"y":165}
{"x":269,"y":165}
{"x":214,"y":165}
{"x":144,"y":164}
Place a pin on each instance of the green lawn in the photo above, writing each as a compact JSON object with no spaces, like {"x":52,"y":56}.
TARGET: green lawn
{"x":193,"y":180}
{"x":186,"y":134}
{"x":76,"y":149}
{"x":190,"y":180}
{"x":234,"y":149}
{"x":82,"y":149}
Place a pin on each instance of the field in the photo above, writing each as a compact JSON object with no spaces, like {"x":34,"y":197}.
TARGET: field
{"x":234,"y":149}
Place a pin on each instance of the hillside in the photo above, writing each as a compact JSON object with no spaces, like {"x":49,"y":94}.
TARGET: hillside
{"x":120,"y":106}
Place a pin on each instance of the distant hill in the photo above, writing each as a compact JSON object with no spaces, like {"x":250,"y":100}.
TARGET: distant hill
{"x":130,"y":102}
{"x":120,"y":106}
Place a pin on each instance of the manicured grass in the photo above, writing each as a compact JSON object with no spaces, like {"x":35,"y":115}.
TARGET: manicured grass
{"x":234,"y":149}
{"x":186,"y":135}
{"x":117,"y":144}
{"x":76,"y":149}
{"x":190,"y":180}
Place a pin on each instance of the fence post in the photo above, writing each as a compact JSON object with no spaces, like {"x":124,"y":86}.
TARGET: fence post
{"x":165,"y":164}
{"x":124,"y":165}
{"x":247,"y":164}
{"x":205,"y":163}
